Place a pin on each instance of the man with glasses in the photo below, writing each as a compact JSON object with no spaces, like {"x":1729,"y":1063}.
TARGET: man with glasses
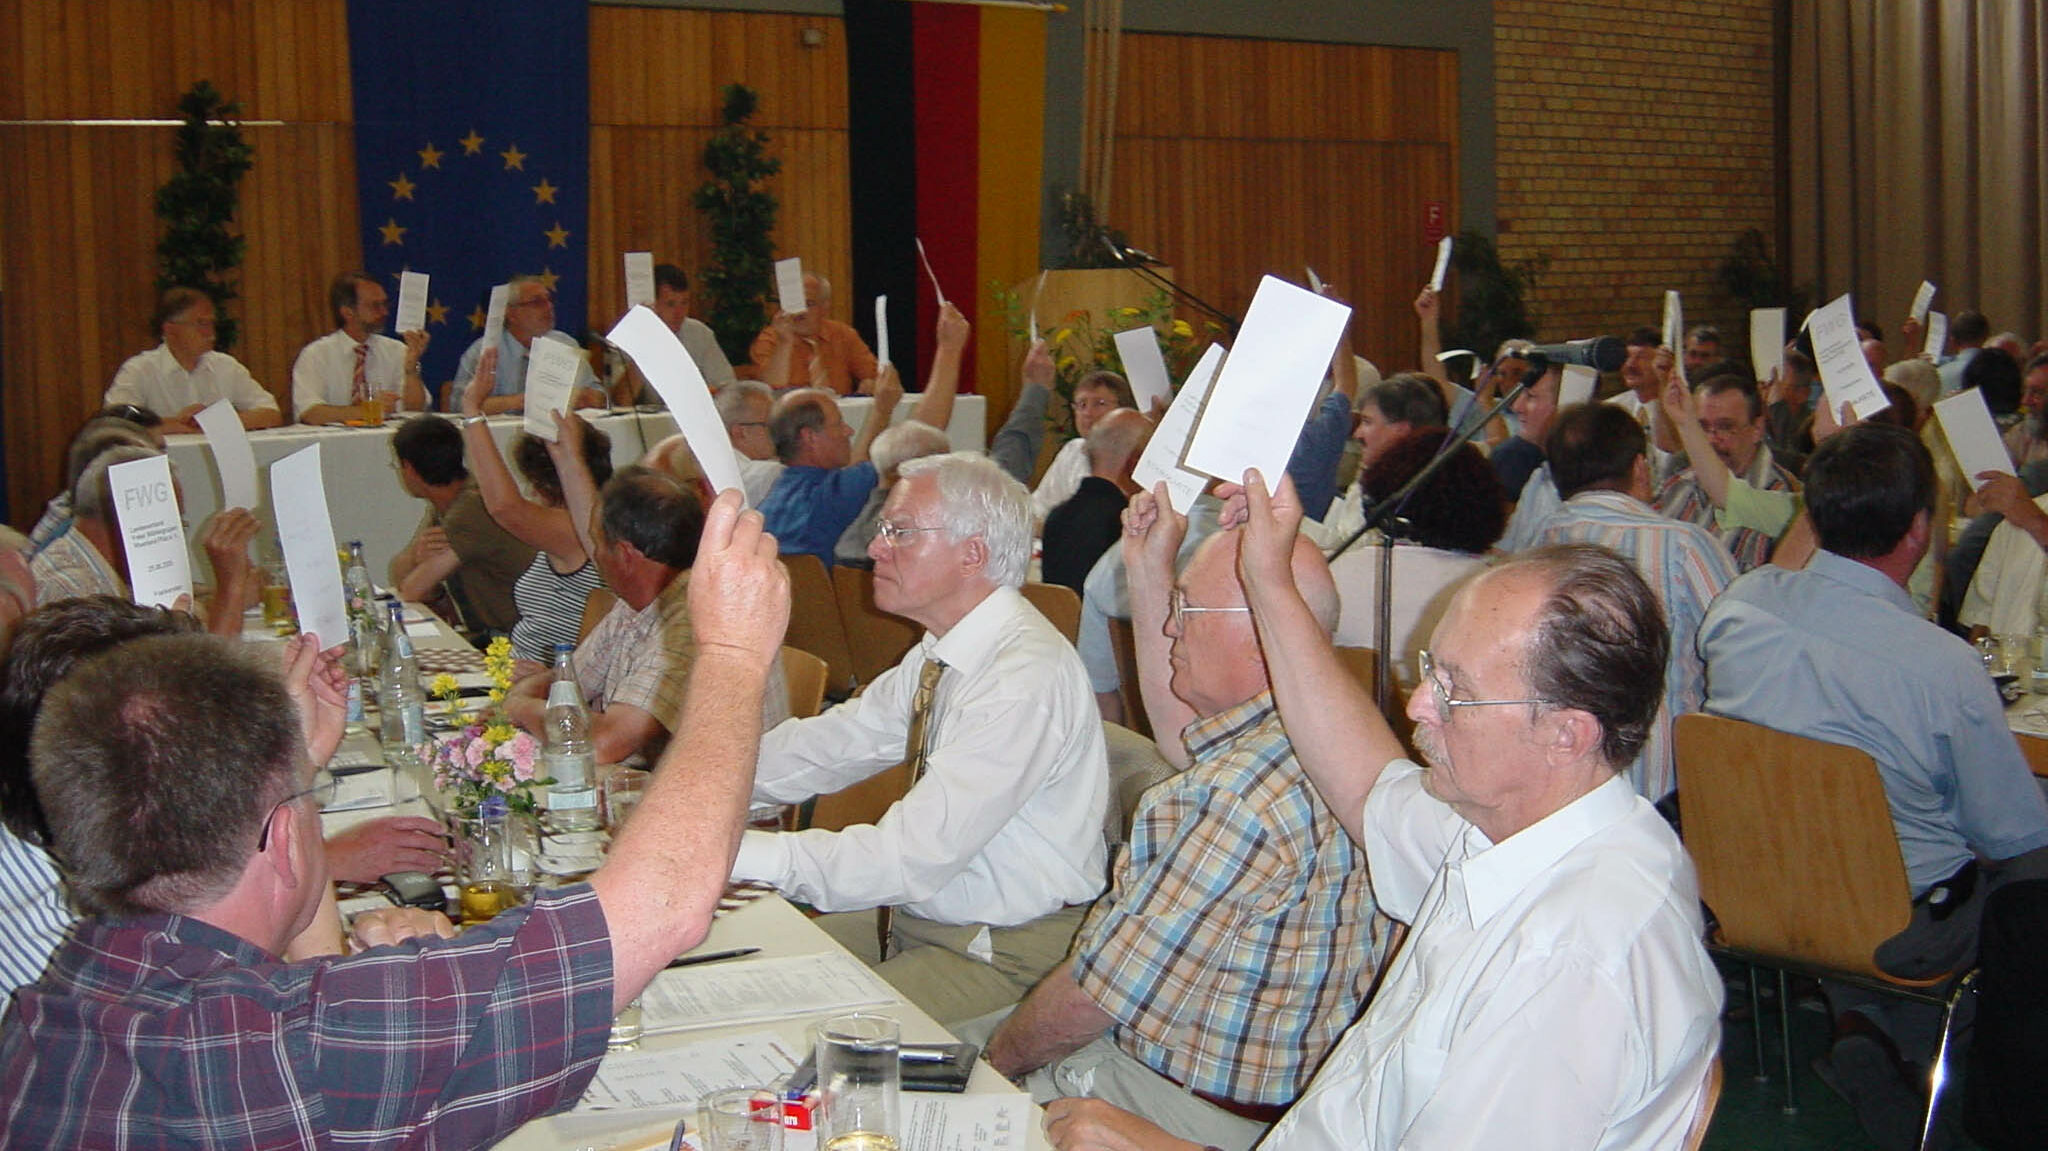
{"x":356,"y":364}
{"x":183,"y":375}
{"x":529,"y":316}
{"x":996,"y":845}
{"x":744,"y":407}
{"x":1731,"y":413}
{"x":1239,"y":935}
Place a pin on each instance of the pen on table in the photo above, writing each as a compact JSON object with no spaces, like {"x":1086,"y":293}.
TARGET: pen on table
{"x":712,"y":957}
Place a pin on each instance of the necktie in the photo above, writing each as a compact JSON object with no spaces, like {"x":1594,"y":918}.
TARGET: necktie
{"x":915,"y":753}
{"x":359,"y":388}
{"x":817,"y":349}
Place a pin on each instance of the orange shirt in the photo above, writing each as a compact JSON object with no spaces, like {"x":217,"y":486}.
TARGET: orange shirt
{"x":844,"y":355}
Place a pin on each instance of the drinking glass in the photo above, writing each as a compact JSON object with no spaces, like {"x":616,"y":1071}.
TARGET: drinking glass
{"x":484,"y":867}
{"x":740,"y":1119}
{"x":860,"y":1083}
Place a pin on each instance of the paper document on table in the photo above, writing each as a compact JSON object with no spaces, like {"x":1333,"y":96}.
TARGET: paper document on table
{"x":758,"y":990}
{"x":361,"y":791}
{"x":494,"y":315}
{"x":412,"y":303}
{"x":307,"y":537}
{"x":965,"y":1122}
{"x":1937,"y":335}
{"x":232,"y":456}
{"x":789,"y":286}
{"x":1161,"y":460}
{"x":1674,"y":332}
{"x":1443,"y":265}
{"x":1262,"y":397}
{"x":679,"y":1076}
{"x":550,"y":379}
{"x":1577,"y":385}
{"x":639,"y":278}
{"x":1844,"y":374}
{"x":1972,"y":435}
{"x":881,"y":333}
{"x":153,"y":534}
{"x":1766,"y":341}
{"x":659,"y":355}
{"x":1922,"y":300}
{"x":1144,"y":366}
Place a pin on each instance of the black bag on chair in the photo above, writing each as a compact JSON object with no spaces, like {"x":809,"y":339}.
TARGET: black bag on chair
{"x":2004,"y":1106}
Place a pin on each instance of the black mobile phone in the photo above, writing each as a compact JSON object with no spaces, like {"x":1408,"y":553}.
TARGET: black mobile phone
{"x":414,"y":889}
{"x":925,"y":1067}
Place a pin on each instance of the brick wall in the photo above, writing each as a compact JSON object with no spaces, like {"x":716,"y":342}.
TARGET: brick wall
{"x":1635,"y":143}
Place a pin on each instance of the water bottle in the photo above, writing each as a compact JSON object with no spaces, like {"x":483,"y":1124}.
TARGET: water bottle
{"x":364,"y":629}
{"x":402,"y":703}
{"x":566,"y":754}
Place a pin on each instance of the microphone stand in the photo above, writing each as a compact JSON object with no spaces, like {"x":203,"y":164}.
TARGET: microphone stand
{"x":1387,"y":514}
{"x":1130,"y":261}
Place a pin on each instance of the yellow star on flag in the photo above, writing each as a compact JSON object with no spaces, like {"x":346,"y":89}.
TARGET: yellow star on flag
{"x":401,"y":188}
{"x":437,"y":313}
{"x":392,"y":233}
{"x":430,"y":156}
{"x":558,"y":236}
{"x":472,"y":143}
{"x":547,"y":278}
{"x":544,"y":192}
{"x":477,"y":318}
{"x":514,"y":158}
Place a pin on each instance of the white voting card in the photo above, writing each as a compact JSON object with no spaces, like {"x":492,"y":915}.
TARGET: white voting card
{"x":927,"y":261}
{"x":1577,"y":385}
{"x":1036,"y":292}
{"x":1845,"y":375}
{"x":412,"y":302}
{"x":1972,"y":436}
{"x":1674,"y":331}
{"x":232,"y":456}
{"x":494,"y":315}
{"x":550,"y":379}
{"x":1766,"y":340}
{"x":1922,"y":300}
{"x":1144,"y":366}
{"x":881,"y":332}
{"x":1161,"y":460}
{"x":1937,"y":335}
{"x":1262,"y":396}
{"x":789,"y":285}
{"x":146,"y":506}
{"x":1443,"y":265}
{"x":307,"y":537}
{"x":639,"y":278}
{"x":659,"y":355}
{"x":1315,"y":282}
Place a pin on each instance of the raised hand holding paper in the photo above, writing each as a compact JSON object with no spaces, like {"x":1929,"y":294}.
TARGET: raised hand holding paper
{"x":1922,"y":300}
{"x":1966,"y":422}
{"x":881,"y":332}
{"x":1766,"y":340}
{"x":1674,"y":332}
{"x":232,"y":456}
{"x":1937,"y":335}
{"x":659,"y":355}
{"x":412,"y":302}
{"x":550,"y":378}
{"x":1844,"y":373}
{"x":927,"y":261}
{"x":1035,"y":293}
{"x":307,"y":537}
{"x":789,"y":286}
{"x":1577,"y":385}
{"x":639,"y":278}
{"x":494,"y":316}
{"x":1144,"y":366}
{"x":1262,"y":396}
{"x":1161,"y":460}
{"x":146,"y":505}
{"x":1443,"y":265}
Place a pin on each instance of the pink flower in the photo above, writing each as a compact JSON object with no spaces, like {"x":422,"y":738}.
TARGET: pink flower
{"x":523,"y":750}
{"x":476,"y":753}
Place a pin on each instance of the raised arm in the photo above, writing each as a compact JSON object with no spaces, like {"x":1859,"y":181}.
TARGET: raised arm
{"x":1016,"y":444}
{"x":530,"y":521}
{"x":1682,"y":410}
{"x":935,"y":406}
{"x":579,"y":487}
{"x":1152,"y":535}
{"x":888,"y":393}
{"x":1428,"y":313}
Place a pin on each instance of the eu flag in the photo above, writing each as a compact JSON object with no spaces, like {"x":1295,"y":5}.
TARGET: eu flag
{"x":472,"y":144}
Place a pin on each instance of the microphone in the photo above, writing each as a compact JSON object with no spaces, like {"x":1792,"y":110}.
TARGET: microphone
{"x":1601,"y":353}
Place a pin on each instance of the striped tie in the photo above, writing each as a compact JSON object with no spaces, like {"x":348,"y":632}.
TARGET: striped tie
{"x":915,"y":752}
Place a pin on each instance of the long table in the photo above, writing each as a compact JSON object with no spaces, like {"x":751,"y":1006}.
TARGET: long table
{"x":363,"y":493}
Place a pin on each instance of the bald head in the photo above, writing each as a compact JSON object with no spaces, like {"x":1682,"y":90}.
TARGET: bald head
{"x":1116,"y":442}
{"x":1216,"y":660}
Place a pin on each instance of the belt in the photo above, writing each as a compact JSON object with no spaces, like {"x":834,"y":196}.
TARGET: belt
{"x":1267,"y":1113}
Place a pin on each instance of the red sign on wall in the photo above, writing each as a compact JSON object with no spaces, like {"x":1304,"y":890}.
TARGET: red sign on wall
{"x":1432,"y":220}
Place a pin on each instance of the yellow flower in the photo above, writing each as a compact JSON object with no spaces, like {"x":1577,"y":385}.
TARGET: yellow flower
{"x":1066,"y":363}
{"x":1063,"y":335}
{"x":497,"y":695}
{"x":499,"y":732}
{"x":1181,"y":329}
{"x":499,"y":648}
{"x":445,"y":685}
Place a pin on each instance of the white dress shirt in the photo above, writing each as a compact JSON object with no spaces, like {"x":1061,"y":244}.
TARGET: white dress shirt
{"x":2006,"y":591}
{"x":1005,"y":826}
{"x":1553,"y":991}
{"x":1062,"y":477}
{"x":155,"y":380}
{"x":325,"y":371}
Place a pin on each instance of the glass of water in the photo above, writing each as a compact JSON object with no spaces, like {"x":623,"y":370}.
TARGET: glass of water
{"x":860,"y":1083}
{"x":740,"y":1119}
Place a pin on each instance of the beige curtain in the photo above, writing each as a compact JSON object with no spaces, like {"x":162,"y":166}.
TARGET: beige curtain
{"x":1916,"y":153}
{"x":1104,"y":21}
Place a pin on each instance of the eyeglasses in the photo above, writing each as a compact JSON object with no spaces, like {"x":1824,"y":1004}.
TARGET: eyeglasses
{"x":1444,"y":702}
{"x":893,"y":533}
{"x":1177,"y":606}
{"x":325,"y":785}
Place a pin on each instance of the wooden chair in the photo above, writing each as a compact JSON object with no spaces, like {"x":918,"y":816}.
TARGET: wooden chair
{"x":876,"y":641}
{"x":1703,"y":1118}
{"x":814,"y":623}
{"x":2035,"y":749}
{"x":594,"y":609}
{"x":1059,"y":605}
{"x":804,"y":674}
{"x":1123,"y":642}
{"x":1798,"y":860}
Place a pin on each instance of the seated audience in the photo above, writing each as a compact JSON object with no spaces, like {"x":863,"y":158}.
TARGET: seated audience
{"x":2027,"y":440}
{"x":529,"y":316}
{"x":744,"y":407}
{"x":1731,"y":413}
{"x":183,"y":375}
{"x":1387,"y":412}
{"x":1967,"y":332}
{"x":1095,"y":395}
{"x":896,"y":445}
{"x":93,"y":437}
{"x":1079,"y":531}
{"x":810,"y":349}
{"x":1788,"y":417}
{"x":458,"y":546}
{"x":1517,"y":458}
{"x":335,"y":376}
{"x":672,"y":304}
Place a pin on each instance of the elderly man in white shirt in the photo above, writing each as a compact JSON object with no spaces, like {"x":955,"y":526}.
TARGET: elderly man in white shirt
{"x":991,"y":857}
{"x":184,"y":375}
{"x":337,"y":375}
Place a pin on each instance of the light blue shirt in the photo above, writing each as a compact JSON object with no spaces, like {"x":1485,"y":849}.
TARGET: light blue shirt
{"x":32,"y":907}
{"x":511,"y":379}
{"x":1837,"y":653}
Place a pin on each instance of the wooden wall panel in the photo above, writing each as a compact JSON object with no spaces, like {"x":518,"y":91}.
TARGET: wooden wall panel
{"x":1238,"y":158}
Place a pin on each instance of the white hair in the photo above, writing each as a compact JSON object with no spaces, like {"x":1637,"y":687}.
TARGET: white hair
{"x":733,"y":398}
{"x":901,"y":443}
{"x":977,"y":498}
{"x":90,"y":496}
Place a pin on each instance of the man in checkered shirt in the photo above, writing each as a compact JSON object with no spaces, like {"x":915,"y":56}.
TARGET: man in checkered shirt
{"x":175,"y":779}
{"x":1239,"y":937}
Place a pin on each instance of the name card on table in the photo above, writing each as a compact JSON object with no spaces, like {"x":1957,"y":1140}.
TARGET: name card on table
{"x":307,"y":537}
{"x":659,"y":355}
{"x":789,"y":286}
{"x":494,"y":315}
{"x":1845,"y":376}
{"x":1443,"y":266}
{"x":1161,"y":460}
{"x":1262,"y":396}
{"x":412,"y":303}
{"x":639,"y":278}
{"x":1766,"y":341}
{"x":1937,"y":335}
{"x":232,"y":456}
{"x":550,"y":379}
{"x":1922,"y":300}
{"x":1144,"y":366}
{"x":1972,"y":436}
{"x":152,"y":532}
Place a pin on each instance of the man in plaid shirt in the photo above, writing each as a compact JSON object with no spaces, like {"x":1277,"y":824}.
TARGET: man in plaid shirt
{"x":177,"y":786}
{"x":1239,"y":937}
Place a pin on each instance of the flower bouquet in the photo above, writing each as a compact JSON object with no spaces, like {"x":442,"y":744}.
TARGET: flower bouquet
{"x":488,"y":756}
